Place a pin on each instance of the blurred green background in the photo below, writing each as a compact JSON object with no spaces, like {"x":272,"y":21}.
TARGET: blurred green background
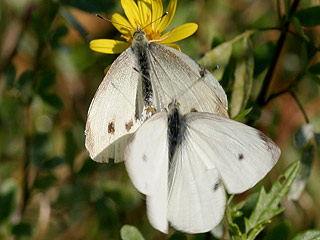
{"x":51,"y":189}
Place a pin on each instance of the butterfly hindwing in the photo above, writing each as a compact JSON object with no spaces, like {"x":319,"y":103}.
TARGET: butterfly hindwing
{"x":196,"y":194}
{"x":242,"y":154}
{"x":146,"y":163}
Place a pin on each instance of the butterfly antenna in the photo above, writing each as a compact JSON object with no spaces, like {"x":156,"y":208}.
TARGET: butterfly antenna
{"x":165,"y":14}
{"x":202,"y":74}
{"x":108,"y":20}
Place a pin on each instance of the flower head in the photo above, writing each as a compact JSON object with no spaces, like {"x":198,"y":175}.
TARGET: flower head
{"x":145,"y":14}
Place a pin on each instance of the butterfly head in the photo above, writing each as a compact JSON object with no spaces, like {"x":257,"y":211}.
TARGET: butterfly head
{"x":139,"y":35}
{"x":173,"y":105}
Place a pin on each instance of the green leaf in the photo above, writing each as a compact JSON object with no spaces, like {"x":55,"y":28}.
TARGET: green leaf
{"x":280,"y":231}
{"x":178,"y":236}
{"x":53,"y":100}
{"x":25,"y":79}
{"x":92,"y":6}
{"x":297,"y":25}
{"x":71,"y":147}
{"x":40,"y":148}
{"x":314,"y":77}
{"x":263,"y":53}
{"x":8,"y":198}
{"x":303,"y":135}
{"x":57,"y":34}
{"x":46,"y":80}
{"x":243,"y":79}
{"x":219,"y":56}
{"x":240,"y":117}
{"x":52,"y":163}
{"x":315,"y":69}
{"x":309,"y":17}
{"x":313,"y":234}
{"x":22,"y":229}
{"x":45,"y":182}
{"x":128,"y":232}
{"x":268,"y":203}
{"x":287,"y":7}
{"x":317,"y":137}
{"x":10,"y":74}
{"x":300,"y":182}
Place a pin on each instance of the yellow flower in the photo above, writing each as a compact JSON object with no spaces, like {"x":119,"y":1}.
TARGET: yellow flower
{"x":144,"y":14}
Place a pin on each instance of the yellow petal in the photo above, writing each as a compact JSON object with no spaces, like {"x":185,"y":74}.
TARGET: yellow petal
{"x":157,"y":10}
{"x":166,"y":20}
{"x":108,"y":46}
{"x":131,"y":10}
{"x":181,"y":32}
{"x":145,"y":10}
{"x":176,"y":46}
{"x":123,"y":22}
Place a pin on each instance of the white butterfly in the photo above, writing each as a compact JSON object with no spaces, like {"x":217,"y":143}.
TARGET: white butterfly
{"x":181,"y":162}
{"x":141,"y":81}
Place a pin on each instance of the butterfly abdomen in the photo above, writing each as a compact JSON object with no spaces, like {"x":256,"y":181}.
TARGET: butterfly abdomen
{"x":176,"y":131}
{"x":139,"y":48}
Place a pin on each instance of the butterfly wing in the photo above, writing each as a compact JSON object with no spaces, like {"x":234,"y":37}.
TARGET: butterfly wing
{"x":112,"y":114}
{"x":196,"y":196}
{"x":146,"y":160}
{"x":243,"y":155}
{"x":175,"y":75}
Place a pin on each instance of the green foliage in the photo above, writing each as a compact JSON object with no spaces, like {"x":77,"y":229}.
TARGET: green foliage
{"x":91,"y":6}
{"x":280,"y":231}
{"x":10,"y":75}
{"x":130,"y":233}
{"x":265,"y":208}
{"x":312,"y":234}
{"x":243,"y":78}
{"x":309,"y":17}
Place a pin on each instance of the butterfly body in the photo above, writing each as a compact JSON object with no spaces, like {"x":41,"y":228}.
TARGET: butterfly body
{"x":176,"y":130}
{"x":139,"y":47}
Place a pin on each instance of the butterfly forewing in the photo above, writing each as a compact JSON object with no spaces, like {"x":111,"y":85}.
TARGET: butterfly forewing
{"x":174,"y":74}
{"x":112,"y":113}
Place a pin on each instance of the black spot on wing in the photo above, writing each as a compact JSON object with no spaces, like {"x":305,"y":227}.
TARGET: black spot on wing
{"x":144,"y":157}
{"x":202,"y":72}
{"x":217,"y":185}
{"x":111,"y":127}
{"x":129,"y":125}
{"x":193,"y":110}
{"x":240,"y":156}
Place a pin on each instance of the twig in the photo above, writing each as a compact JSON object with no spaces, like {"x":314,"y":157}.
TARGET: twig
{"x":268,"y":78}
{"x":25,"y":23}
{"x":300,"y":106}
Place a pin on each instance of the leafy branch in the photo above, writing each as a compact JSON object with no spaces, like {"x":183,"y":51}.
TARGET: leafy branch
{"x":267,"y":82}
